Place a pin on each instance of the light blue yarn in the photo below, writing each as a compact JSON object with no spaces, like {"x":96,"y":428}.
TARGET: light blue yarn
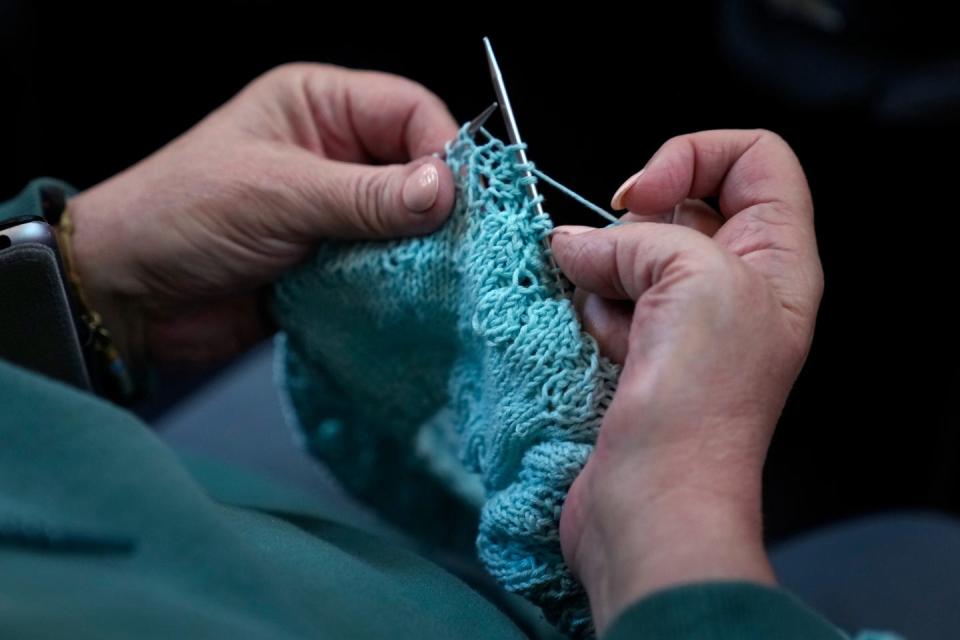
{"x":402,"y":358}
{"x":576,"y":196}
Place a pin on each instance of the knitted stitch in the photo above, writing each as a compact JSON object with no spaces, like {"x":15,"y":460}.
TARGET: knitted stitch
{"x":439,"y":374}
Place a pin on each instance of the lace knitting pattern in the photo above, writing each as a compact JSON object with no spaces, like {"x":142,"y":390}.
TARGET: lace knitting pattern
{"x":442,"y":374}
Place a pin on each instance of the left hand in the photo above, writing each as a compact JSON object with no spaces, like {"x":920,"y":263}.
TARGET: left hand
{"x":177,"y":251}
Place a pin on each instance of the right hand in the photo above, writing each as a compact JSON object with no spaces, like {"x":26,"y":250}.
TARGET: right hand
{"x":712,"y":318}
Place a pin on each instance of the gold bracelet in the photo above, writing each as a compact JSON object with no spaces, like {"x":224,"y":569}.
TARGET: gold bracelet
{"x":121,"y":381}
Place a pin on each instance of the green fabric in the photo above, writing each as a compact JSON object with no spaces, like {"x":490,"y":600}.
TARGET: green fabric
{"x":105,"y":533}
{"x":721,"y":611}
{"x":35,"y":200}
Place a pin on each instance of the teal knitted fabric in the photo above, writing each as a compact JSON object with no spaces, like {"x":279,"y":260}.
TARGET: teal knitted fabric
{"x":445,"y":376}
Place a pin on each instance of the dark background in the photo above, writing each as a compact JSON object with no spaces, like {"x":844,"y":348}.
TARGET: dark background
{"x":869,"y":97}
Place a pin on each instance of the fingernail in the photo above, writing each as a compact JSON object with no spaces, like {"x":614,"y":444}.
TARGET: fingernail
{"x":616,"y":203}
{"x":421,"y":188}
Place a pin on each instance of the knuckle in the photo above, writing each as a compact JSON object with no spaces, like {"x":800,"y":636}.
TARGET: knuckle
{"x":366,"y":191}
{"x":393,"y":81}
{"x":770,"y":137}
{"x":280,"y":74}
{"x":760,"y":229}
{"x":712,"y":267}
{"x":295,"y":77}
{"x":296,"y":70}
{"x":676,"y":160}
{"x":775,"y":143}
{"x":582,"y":258}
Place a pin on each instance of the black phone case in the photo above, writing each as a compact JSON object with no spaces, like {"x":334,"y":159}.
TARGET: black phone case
{"x":36,"y":325}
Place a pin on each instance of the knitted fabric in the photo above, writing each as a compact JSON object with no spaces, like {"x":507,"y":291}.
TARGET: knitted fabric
{"x":447,"y":375}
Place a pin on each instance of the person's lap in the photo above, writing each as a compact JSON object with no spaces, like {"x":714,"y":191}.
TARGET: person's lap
{"x":897,"y":571}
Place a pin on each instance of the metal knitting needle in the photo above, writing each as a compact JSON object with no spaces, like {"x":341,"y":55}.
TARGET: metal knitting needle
{"x":481,"y":119}
{"x":513,"y":134}
{"x":473,"y":127}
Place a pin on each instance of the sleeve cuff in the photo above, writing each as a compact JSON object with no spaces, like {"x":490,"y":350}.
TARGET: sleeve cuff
{"x":721,"y":611}
{"x":43,"y":198}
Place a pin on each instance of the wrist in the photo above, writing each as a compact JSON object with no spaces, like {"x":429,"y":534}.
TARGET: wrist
{"x":653,"y":528}
{"x":96,"y":251}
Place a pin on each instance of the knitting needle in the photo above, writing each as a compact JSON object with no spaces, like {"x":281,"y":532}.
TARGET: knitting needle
{"x":513,"y":134}
{"x":481,"y":119}
{"x":473,"y":127}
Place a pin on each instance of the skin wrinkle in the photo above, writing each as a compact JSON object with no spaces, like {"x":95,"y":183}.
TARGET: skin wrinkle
{"x":751,"y":236}
{"x":769,"y":251}
{"x":410,"y":136}
{"x":345,"y":97}
{"x":367,"y":192}
{"x":268,"y":119}
{"x":402,"y":142}
{"x":691,"y":180}
{"x":615,"y":254}
{"x":414,"y":136}
{"x":404,"y":136}
{"x":743,"y":190}
{"x":168,"y":284}
{"x":729,"y":210}
{"x":305,"y":128}
{"x":257,"y":118}
{"x":291,"y":191}
{"x":337,"y":138}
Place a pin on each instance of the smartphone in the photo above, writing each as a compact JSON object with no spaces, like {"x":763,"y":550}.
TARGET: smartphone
{"x":38,"y":326}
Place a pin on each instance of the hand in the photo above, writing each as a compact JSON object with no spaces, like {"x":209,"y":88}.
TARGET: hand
{"x":712,"y":317}
{"x":176,"y":252}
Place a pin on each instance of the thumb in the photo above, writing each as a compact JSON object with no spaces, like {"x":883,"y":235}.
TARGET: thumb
{"x":347,"y":200}
{"x":622,"y":263}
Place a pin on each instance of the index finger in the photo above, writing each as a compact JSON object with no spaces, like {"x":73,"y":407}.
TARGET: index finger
{"x":763,"y":195}
{"x":371,"y":116}
{"x":742,"y":167}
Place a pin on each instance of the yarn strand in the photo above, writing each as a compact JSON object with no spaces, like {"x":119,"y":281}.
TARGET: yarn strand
{"x":567,"y":191}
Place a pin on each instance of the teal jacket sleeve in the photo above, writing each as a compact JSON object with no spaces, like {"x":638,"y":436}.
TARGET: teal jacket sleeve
{"x":721,"y":611}
{"x":36,"y":202}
